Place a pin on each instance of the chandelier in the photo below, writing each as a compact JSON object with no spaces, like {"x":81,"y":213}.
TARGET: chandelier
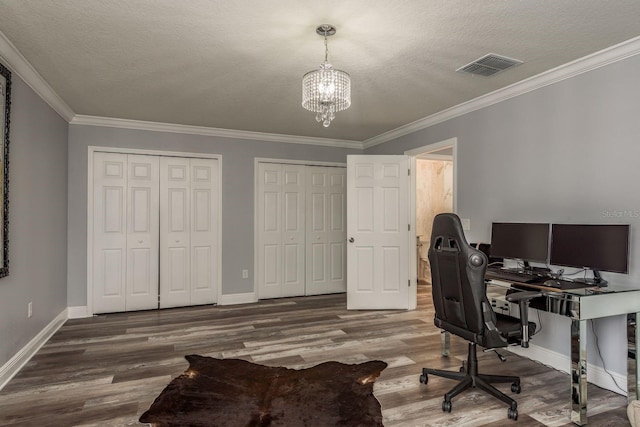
{"x":326,"y":90}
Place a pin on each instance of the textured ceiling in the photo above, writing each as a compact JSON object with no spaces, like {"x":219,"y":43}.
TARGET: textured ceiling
{"x":238,"y":64}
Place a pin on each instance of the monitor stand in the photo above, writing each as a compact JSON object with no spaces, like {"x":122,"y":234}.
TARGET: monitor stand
{"x":597,"y":280}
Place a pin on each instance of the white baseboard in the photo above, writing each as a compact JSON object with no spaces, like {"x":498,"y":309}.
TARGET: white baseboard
{"x":595,"y":374}
{"x":79,"y":312}
{"x":232,"y":299}
{"x":13,"y":366}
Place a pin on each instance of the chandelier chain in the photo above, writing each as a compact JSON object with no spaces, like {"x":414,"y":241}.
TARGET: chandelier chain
{"x":326,"y":48}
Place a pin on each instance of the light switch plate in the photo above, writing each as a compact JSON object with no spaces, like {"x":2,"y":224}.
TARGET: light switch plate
{"x":466,"y":224}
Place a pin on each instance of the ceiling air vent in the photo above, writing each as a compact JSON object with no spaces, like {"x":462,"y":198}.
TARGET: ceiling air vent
{"x":489,"y":65}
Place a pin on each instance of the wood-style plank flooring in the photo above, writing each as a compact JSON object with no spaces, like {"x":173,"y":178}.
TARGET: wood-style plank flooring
{"x":106,"y":370}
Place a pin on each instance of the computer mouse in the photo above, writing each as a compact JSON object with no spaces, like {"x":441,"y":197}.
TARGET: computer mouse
{"x":552,"y":283}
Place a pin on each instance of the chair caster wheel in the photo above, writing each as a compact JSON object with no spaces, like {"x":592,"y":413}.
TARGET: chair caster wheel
{"x":446,"y":406}
{"x":424,"y":378}
{"x":515,"y":387}
{"x":512,"y":414}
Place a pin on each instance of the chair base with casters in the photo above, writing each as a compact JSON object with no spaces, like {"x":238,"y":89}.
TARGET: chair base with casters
{"x":469,"y":377}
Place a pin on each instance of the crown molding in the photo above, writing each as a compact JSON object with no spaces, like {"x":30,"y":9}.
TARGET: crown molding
{"x":208,"y":131}
{"x":19,"y":65}
{"x":582,"y":65}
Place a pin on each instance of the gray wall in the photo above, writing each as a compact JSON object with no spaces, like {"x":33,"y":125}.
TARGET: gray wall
{"x":568,"y":152}
{"x":237,"y":192}
{"x":38,"y":221}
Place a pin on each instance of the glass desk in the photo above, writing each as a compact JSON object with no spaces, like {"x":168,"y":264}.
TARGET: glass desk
{"x":580,"y":305}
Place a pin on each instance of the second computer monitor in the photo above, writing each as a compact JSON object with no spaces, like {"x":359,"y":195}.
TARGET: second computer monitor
{"x":520,"y":240}
{"x":600,"y":247}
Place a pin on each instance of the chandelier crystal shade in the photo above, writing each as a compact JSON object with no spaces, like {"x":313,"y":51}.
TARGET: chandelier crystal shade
{"x":326,"y":91}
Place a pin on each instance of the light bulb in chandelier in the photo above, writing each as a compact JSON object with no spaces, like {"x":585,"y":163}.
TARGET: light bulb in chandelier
{"x":326,"y":90}
{"x":327,"y":85}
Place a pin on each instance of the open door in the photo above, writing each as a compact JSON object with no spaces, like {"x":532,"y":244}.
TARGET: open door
{"x":378,"y":247}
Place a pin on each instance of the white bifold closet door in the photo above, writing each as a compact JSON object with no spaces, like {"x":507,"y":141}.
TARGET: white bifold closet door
{"x":155,"y":232}
{"x":326,"y":230}
{"x":282,"y":230}
{"x":125,"y":232}
{"x":301,"y":230}
{"x":188,"y":231}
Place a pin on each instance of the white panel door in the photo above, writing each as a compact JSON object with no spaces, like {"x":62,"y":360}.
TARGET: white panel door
{"x":155,"y":232}
{"x":377,"y":229}
{"x":175,"y":245}
{"x":204,"y":231}
{"x":326,"y":230}
{"x":269,"y":272}
{"x":337,"y":230}
{"x":317,"y":227}
{"x":109,"y":232}
{"x":293,"y":230}
{"x":143,"y":218}
{"x":281,"y":234}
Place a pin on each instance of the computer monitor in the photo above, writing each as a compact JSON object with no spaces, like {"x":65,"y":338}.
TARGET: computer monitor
{"x":520,"y":240}
{"x":603,"y":247}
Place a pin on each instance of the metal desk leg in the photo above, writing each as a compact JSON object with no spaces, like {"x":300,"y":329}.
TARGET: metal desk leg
{"x":579,"y":372}
{"x":633,"y":361}
{"x":445,"y":343}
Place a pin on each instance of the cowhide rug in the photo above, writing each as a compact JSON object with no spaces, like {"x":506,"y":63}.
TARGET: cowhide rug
{"x":236,"y":393}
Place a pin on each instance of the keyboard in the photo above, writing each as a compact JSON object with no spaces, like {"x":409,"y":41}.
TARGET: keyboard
{"x":563,"y":285}
{"x":512,"y":276}
{"x":538,"y":281}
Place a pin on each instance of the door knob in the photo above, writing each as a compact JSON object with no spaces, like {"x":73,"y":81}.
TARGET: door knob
{"x":351,"y":240}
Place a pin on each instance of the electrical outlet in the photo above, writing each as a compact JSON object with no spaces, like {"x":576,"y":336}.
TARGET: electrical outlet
{"x":245,"y":274}
{"x":30,"y":309}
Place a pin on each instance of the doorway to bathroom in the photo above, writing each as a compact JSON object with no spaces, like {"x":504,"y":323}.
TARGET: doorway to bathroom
{"x":434,"y":175}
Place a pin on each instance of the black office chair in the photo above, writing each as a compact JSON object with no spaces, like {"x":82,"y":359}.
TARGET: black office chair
{"x":462,"y":308}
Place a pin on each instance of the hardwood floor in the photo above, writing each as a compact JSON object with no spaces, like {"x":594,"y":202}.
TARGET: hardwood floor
{"x":106,"y":370}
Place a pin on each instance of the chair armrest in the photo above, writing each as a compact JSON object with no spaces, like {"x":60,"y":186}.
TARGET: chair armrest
{"x":524,"y":295}
{"x":523,"y":299}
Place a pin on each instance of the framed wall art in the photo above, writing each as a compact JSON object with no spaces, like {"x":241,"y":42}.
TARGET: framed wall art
{"x":5,"y":114}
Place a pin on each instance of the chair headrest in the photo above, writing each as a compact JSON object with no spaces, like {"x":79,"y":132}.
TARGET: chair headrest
{"x":449,"y":225}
